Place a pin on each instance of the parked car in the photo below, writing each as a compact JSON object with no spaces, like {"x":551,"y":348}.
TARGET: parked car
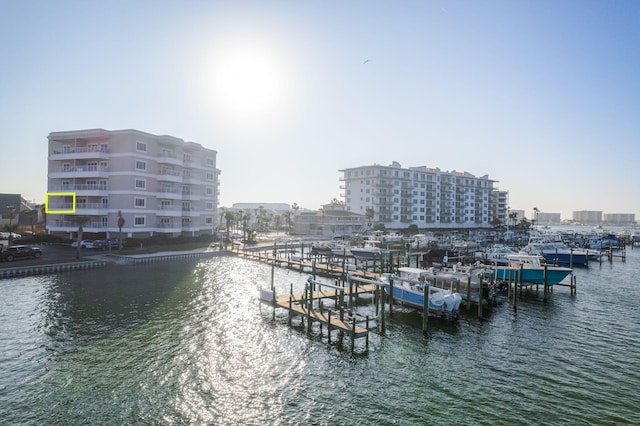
{"x":106,"y":244}
{"x":83,"y":244}
{"x":20,"y":252}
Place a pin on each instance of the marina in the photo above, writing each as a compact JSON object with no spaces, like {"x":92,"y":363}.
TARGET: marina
{"x":188,"y":339}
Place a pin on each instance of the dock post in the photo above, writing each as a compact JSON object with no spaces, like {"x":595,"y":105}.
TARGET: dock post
{"x":468,"y":293}
{"x":522,"y":276}
{"x":425,"y":306}
{"x":367,"y":335}
{"x":480,"y":294}
{"x":329,"y":325}
{"x":546,"y":283}
{"x":353,"y":332}
{"x":570,"y":257}
{"x":391,"y":297}
{"x":382,"y":316}
{"x":515,"y":292}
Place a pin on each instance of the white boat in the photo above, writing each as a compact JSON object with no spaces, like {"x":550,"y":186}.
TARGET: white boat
{"x":408,"y":289}
{"x":529,"y":269}
{"x":496,"y":255}
{"x":370,"y":250}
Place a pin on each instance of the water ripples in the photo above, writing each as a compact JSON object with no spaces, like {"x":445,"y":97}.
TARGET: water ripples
{"x":190,"y":343}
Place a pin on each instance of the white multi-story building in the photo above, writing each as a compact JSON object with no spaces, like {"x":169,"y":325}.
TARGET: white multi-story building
{"x":159,"y":184}
{"x":427,"y":197}
{"x":587,"y":216}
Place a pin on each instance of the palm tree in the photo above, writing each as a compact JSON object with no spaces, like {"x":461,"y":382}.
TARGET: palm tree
{"x":31,"y":213}
{"x":288,"y":220}
{"x":120,"y":225}
{"x":80,"y":221}
{"x":246,"y":217}
{"x":228,"y":217}
{"x":12,"y":213}
{"x":369,"y":214}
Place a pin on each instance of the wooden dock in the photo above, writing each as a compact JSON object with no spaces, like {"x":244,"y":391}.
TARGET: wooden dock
{"x":309,"y":306}
{"x":315,"y":267}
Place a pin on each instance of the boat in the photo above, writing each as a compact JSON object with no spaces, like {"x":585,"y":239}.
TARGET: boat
{"x":529,"y":268}
{"x":558,"y":253}
{"x":329,"y":249}
{"x":496,"y":255}
{"x":370,"y":250}
{"x":408,"y":289}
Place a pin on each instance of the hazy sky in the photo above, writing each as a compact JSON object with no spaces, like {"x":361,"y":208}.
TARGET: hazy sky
{"x":543,"y":96}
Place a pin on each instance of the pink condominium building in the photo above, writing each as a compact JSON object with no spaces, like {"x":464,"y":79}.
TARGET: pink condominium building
{"x":159,"y":184}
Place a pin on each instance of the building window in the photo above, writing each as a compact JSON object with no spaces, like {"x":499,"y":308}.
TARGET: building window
{"x":209,"y":206}
{"x":141,"y":165}
{"x":210,"y":162}
{"x":141,"y":146}
{"x":209,"y":191}
{"x":140,"y":202}
{"x":139,"y":221}
{"x":141,"y":184}
{"x":208,"y":220}
{"x":209,"y":176}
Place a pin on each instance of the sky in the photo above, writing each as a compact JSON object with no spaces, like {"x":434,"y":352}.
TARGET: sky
{"x":541,"y":96}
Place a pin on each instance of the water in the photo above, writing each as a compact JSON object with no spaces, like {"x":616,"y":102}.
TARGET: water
{"x":188,"y":343}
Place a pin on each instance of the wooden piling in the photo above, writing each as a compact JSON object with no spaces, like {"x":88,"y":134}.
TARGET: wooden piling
{"x":391,"y":297}
{"x":425,"y":306}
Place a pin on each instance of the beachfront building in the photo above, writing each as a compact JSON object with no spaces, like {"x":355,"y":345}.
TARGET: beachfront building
{"x":544,"y":218}
{"x":589,"y":217}
{"x":619,"y":218}
{"x":427,"y":197}
{"x":499,"y":207}
{"x":331,"y":220}
{"x":159,"y":184}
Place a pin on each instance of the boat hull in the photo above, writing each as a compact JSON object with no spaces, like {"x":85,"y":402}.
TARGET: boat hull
{"x":563,"y":258}
{"x":444,"y":302}
{"x":533,"y":276}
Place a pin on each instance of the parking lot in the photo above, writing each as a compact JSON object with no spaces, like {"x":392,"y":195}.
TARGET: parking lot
{"x":50,"y":252}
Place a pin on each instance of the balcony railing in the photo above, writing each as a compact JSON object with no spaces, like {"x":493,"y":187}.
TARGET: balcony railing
{"x":79,"y":187}
{"x":73,"y":169}
{"x":81,"y":149}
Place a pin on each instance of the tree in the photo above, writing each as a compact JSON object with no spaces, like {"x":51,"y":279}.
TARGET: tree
{"x":370,"y":213}
{"x":43,"y":209}
{"x":120,"y":225}
{"x":288,"y":220}
{"x":228,"y":217}
{"x":246,"y":217}
{"x":12,"y":213}
{"x":295,"y":206}
{"x":31,"y":213}
{"x":513,"y":216}
{"x":80,"y":221}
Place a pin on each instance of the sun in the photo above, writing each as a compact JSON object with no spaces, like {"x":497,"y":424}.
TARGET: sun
{"x":249,"y":81}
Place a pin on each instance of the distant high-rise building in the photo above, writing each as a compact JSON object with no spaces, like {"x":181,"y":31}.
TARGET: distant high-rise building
{"x":545,"y":218}
{"x":587,"y":216}
{"x":160,"y":184}
{"x":620,"y":218}
{"x":426,"y":197}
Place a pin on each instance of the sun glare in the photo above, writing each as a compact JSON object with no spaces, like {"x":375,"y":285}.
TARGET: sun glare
{"x":248,"y":82}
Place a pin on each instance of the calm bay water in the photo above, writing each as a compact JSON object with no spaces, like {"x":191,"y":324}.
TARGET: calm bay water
{"x":188,"y":343}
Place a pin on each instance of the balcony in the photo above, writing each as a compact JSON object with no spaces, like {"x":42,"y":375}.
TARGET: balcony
{"x":169,"y":194}
{"x":78,"y":172}
{"x":81,"y":189}
{"x":169,"y":211}
{"x":80,"y":153}
{"x":72,"y":226}
{"x":170,"y":176}
{"x":169,"y":158}
{"x":84,"y":209}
